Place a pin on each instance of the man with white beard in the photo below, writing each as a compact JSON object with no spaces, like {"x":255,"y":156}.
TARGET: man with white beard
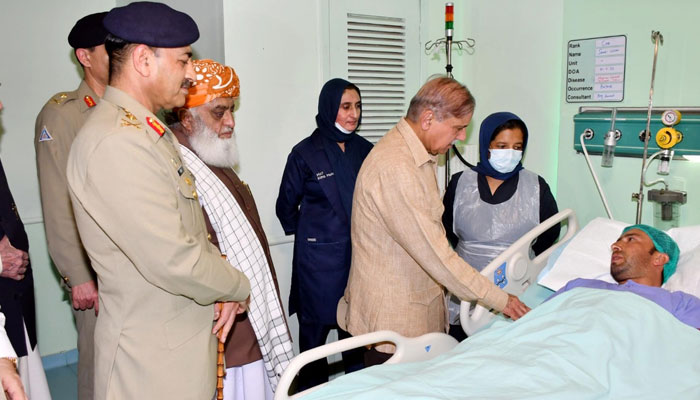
{"x":259,"y":347}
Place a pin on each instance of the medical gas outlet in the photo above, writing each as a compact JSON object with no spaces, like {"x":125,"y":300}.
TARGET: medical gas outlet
{"x":667,"y":138}
{"x":622,"y":131}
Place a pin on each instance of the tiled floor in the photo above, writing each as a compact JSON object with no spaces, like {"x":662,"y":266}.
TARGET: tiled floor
{"x":63,"y":382}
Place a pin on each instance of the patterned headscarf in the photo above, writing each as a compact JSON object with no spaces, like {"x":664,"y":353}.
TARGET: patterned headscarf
{"x":212,"y":80}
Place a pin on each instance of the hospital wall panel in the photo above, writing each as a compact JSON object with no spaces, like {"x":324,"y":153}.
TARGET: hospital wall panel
{"x":275,"y":48}
{"x":516,"y":67}
{"x":677,"y":84}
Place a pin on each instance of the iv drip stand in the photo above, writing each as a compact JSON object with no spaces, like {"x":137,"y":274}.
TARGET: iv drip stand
{"x":658,"y":38}
{"x":448,"y":68}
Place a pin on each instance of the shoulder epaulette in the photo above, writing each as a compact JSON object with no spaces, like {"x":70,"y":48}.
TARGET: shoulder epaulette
{"x":128,"y":119}
{"x":59,"y":98}
{"x":64,"y":97}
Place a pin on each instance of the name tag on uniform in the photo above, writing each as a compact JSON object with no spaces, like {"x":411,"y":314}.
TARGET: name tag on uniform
{"x":324,"y":175}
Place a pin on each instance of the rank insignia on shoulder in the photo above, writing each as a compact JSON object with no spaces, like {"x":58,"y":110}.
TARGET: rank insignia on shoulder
{"x":126,"y":122}
{"x":129,"y":114}
{"x":45,"y":136}
{"x":153,"y":123}
{"x":89,"y":101}
{"x":129,"y":119}
{"x":59,"y":99}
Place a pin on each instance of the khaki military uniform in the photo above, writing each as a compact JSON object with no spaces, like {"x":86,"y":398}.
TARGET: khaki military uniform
{"x":136,"y":207}
{"x":56,"y":126}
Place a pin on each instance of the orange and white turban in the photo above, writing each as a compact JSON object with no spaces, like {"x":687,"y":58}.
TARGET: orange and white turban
{"x":212,"y":80}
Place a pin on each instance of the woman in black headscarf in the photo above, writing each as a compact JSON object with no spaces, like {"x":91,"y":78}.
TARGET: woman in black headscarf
{"x":315,"y":204}
{"x":490,"y":206}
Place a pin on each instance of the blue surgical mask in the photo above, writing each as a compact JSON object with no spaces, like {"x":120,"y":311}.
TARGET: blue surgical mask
{"x":340,"y":128}
{"x":505,"y":160}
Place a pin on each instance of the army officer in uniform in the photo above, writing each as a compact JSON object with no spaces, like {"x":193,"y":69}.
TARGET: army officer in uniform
{"x":137,"y":212}
{"x":56,"y":126}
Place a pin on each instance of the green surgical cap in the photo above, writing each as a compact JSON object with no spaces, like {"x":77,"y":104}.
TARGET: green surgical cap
{"x":664,"y":244}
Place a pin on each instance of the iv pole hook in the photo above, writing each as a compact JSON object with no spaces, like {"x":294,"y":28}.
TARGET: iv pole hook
{"x":657,"y":38}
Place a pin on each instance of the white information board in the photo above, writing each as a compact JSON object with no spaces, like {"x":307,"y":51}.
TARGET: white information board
{"x":595,"y":69}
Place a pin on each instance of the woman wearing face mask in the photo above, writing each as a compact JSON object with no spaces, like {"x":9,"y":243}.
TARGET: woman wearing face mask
{"x":490,"y":206}
{"x":315,"y":204}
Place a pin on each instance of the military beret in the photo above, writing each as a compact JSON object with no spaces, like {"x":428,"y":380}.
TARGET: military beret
{"x":152,"y":24}
{"x":88,"y":32}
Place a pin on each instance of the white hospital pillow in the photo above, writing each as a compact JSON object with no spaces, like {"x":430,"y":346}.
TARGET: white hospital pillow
{"x":587,"y":255}
{"x":687,"y":237}
{"x":687,"y":276}
{"x":553,"y":258}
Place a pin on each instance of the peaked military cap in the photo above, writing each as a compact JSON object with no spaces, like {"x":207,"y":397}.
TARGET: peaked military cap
{"x":88,"y":32}
{"x":152,"y":24}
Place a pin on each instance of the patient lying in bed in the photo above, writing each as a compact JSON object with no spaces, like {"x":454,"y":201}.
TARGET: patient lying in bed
{"x":583,"y":343}
{"x":643,"y":258}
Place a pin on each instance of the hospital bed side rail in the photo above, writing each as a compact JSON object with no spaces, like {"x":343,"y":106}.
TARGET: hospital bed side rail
{"x":407,"y":349}
{"x":514,"y":271}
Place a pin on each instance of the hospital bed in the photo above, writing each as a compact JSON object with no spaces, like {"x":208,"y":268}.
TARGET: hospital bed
{"x":547,"y":353}
{"x":514,"y":270}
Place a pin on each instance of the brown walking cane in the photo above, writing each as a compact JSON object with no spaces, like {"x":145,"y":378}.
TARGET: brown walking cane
{"x":220,"y":371}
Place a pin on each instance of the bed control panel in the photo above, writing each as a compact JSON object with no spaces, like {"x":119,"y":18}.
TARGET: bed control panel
{"x":499,"y":276}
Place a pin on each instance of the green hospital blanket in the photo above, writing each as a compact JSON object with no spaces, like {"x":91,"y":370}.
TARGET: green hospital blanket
{"x":583,"y":344}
